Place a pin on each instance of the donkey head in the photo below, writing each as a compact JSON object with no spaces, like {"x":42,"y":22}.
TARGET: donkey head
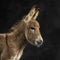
{"x":32,"y":33}
{"x":32,"y":30}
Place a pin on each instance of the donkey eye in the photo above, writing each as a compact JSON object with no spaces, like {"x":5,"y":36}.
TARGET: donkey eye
{"x":32,"y":28}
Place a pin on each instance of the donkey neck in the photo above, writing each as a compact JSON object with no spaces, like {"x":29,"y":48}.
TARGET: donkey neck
{"x":16,"y":40}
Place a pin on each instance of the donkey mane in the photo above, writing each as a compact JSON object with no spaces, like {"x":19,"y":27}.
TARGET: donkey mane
{"x":13,"y":42}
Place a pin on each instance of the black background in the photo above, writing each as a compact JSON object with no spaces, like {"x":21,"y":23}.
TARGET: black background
{"x":49,"y":19}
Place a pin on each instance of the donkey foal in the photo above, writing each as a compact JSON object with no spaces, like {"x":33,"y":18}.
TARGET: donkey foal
{"x":25,"y":31}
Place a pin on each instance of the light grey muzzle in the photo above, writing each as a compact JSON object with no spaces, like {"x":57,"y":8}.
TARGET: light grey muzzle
{"x":39,"y":41}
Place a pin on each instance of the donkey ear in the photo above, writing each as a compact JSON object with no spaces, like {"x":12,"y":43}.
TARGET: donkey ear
{"x":32,"y":14}
{"x":35,"y":16}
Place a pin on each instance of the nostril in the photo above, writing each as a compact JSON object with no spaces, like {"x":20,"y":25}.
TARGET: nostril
{"x":39,"y":42}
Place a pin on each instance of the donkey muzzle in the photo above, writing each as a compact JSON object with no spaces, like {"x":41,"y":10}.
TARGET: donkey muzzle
{"x":39,"y":41}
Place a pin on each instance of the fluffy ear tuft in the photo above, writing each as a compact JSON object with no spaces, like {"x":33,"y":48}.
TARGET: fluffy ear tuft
{"x":31,"y":15}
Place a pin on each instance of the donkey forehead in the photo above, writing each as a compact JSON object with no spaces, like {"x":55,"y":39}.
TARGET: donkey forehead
{"x":34,"y":23}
